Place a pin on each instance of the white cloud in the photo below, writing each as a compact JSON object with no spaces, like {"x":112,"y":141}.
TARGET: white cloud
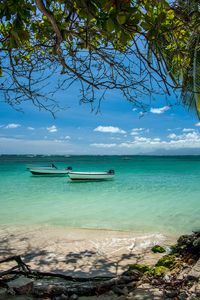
{"x":30,"y":128}
{"x":12,"y":125}
{"x":197,"y":124}
{"x":187,"y":129}
{"x":172,"y":136}
{"x":126,"y":145}
{"x":67,"y":137}
{"x":115,"y":138}
{"x":103,"y":145}
{"x":134,"y":109}
{"x":190,"y":140}
{"x":159,"y":110}
{"x":192,"y":136}
{"x":109,"y":129}
{"x":52,"y":129}
{"x":141,"y":139}
{"x":137,"y":131}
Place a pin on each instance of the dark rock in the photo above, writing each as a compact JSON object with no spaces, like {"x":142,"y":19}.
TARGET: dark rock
{"x":171,"y":293}
{"x":125,"y":290}
{"x":189,"y":244}
{"x":183,"y":274}
{"x":10,"y":291}
{"x":155,"y":281}
{"x":133,"y":272}
{"x":131,"y":285}
{"x":184,"y":240}
{"x":22,"y":285}
{"x":194,"y":274}
{"x":64,"y":297}
{"x":118,"y":291}
{"x":73,"y":297}
{"x":196,"y":243}
{"x":40,"y":289}
{"x":183,"y":295}
{"x":146,"y":292}
{"x":3,"y":294}
{"x":193,"y":297}
{"x":197,"y":289}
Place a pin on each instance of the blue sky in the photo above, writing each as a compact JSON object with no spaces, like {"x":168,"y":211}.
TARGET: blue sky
{"x":117,"y":129}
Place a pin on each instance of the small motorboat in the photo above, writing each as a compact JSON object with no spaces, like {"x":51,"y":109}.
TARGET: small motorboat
{"x":91,"y":176}
{"x":50,"y":171}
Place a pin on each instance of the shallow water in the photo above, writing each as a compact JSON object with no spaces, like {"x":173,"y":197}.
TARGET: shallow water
{"x":148,"y":194}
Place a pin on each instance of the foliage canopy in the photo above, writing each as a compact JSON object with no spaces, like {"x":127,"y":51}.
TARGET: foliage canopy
{"x":135,"y":46}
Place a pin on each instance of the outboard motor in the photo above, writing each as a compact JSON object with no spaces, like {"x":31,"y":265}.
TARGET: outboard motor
{"x":111,"y":172}
{"x":69,"y":168}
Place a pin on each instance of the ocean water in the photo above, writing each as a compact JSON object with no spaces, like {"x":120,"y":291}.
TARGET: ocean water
{"x":148,"y":194}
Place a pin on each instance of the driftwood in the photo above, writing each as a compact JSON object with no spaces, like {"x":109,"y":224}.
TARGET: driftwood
{"x":23,"y":269}
{"x":88,"y":288}
{"x":44,"y":283}
{"x":21,"y":266}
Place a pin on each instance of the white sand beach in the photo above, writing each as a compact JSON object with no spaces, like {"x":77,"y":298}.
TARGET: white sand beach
{"x":79,"y":252}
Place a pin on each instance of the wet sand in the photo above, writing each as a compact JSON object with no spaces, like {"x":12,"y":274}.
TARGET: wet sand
{"x":79,"y":252}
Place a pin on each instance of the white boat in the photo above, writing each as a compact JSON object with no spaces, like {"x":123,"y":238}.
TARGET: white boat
{"x":50,"y":171}
{"x":91,"y":176}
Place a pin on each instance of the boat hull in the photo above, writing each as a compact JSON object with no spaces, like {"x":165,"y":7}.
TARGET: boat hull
{"x":90,"y":176}
{"x":49,"y":172}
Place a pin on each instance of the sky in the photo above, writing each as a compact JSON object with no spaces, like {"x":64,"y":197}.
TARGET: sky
{"x":119,"y":129}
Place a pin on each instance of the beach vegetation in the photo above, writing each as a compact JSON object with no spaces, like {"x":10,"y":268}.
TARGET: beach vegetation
{"x":137,"y":47}
{"x":158,"y":249}
{"x":167,"y":261}
{"x":139,"y":267}
{"x":157,"y":271}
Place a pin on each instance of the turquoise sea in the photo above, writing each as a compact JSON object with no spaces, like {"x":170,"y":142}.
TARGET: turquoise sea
{"x":149,"y":194}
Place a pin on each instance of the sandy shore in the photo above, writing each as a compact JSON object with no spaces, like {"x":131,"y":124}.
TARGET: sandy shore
{"x":79,"y":252}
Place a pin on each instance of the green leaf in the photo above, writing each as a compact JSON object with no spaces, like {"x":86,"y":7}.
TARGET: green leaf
{"x":16,"y":37}
{"x":196,"y":76}
{"x":110,"y":26}
{"x":121,"y":18}
{"x":12,"y":43}
{"x":170,"y":14}
{"x":124,"y":38}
